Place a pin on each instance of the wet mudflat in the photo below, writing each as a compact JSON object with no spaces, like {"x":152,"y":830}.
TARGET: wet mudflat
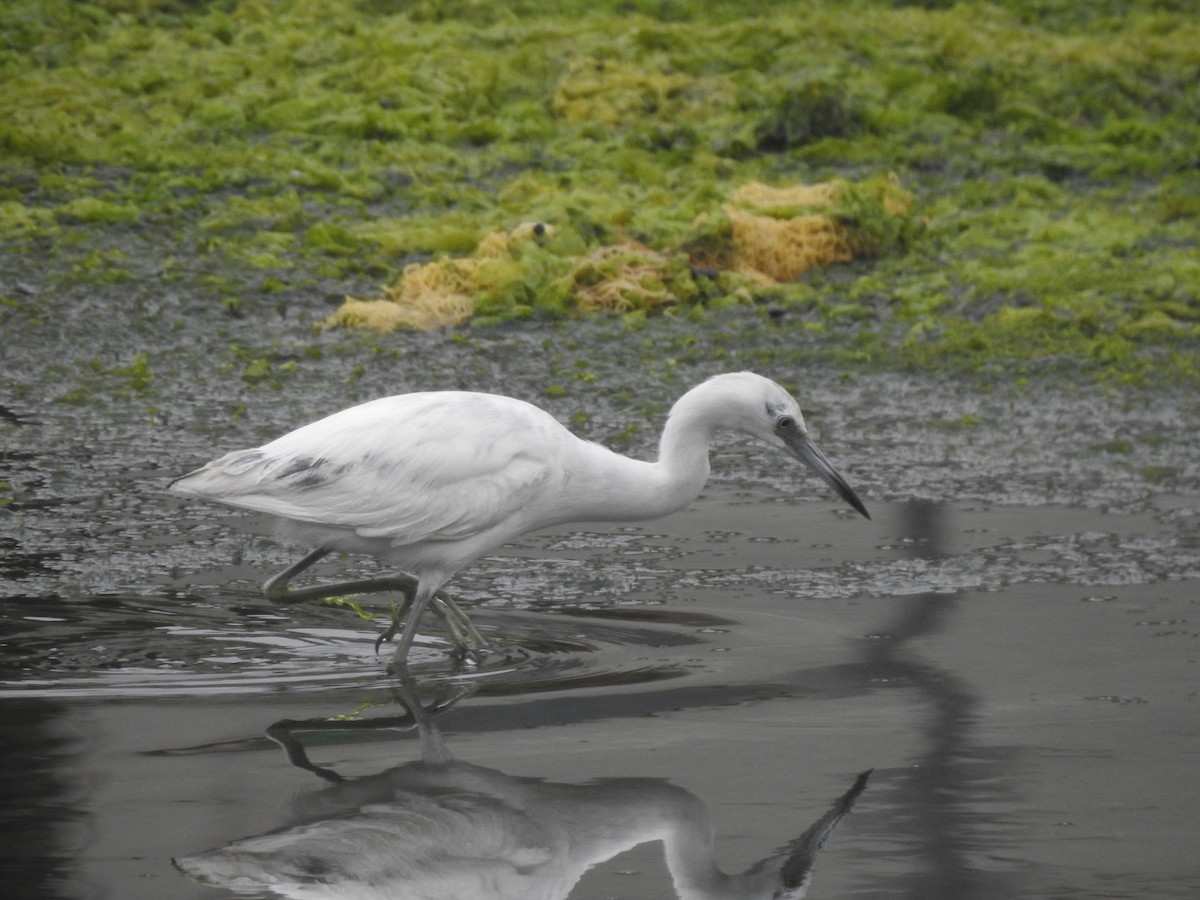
{"x":1010,"y":644}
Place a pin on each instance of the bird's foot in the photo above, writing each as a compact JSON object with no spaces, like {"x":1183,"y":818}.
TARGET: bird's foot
{"x":399,"y":610}
{"x":471,"y":658}
{"x":386,"y":635}
{"x":469,"y":644}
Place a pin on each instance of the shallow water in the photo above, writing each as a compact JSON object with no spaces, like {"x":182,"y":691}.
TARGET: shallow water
{"x":1010,"y":644}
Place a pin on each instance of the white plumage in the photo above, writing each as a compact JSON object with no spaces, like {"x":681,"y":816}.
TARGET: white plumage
{"x":431,"y":481}
{"x":464,"y":832}
{"x":440,"y":829}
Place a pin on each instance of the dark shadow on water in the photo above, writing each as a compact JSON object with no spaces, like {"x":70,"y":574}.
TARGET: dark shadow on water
{"x":933,"y":800}
{"x":534,"y":712}
{"x":39,"y":819}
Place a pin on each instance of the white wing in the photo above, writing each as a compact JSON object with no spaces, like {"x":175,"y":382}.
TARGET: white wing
{"x":415,"y":467}
{"x":462,"y":846}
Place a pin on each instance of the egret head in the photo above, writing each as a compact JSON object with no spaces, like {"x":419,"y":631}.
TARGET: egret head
{"x":791,"y":431}
{"x":785,"y":876}
{"x":782,"y":876}
{"x":760,"y":407}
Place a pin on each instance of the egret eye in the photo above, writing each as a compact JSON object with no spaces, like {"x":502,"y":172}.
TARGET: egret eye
{"x":785,"y":422}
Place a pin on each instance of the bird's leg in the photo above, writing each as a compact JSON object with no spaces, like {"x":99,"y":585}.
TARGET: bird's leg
{"x":277,"y":591}
{"x":415,"y":610}
{"x":285,"y":732}
{"x":442,"y":610}
{"x":463,"y":634}
{"x":433,"y":748}
{"x":394,"y":625}
{"x":462,"y":630}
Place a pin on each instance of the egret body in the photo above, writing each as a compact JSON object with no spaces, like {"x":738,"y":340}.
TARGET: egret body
{"x":431,"y":481}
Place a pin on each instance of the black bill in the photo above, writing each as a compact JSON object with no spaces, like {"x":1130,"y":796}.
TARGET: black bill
{"x":802,"y":447}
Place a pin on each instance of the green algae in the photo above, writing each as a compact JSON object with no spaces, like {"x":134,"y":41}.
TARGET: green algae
{"x":1051,"y":148}
{"x":136,"y":378}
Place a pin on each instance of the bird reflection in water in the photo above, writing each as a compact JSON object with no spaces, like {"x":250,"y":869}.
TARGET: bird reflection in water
{"x":440,"y":828}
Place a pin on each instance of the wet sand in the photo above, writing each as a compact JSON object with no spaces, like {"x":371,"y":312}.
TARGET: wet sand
{"x":1027,"y":739}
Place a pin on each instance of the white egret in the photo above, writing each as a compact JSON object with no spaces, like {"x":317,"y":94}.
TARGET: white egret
{"x":431,"y":481}
{"x":442,"y":828}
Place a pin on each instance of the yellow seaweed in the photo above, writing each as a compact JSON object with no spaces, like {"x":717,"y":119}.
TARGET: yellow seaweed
{"x":622,"y":278}
{"x":442,"y":292}
{"x":776,"y":234}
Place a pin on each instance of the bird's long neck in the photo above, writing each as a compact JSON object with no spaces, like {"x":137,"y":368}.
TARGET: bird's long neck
{"x":605,"y":820}
{"x":610,"y":820}
{"x":689,"y":854}
{"x":606,"y":486}
{"x":682,"y":465}
{"x":616,"y":488}
{"x":688,"y":846}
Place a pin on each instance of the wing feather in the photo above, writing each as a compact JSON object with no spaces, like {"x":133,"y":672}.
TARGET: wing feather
{"x":412,"y":468}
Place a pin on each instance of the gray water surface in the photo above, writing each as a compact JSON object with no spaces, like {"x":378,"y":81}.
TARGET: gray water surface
{"x":1010,"y":644}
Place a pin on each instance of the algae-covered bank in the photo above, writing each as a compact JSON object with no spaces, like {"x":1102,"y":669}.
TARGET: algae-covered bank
{"x":257,"y":156}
